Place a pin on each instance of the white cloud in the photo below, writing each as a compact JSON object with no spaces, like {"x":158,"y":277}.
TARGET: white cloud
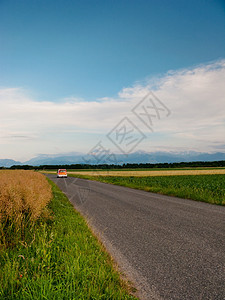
{"x":196,"y":98}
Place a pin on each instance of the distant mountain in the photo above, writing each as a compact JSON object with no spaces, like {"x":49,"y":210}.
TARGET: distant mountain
{"x":8,"y":163}
{"x":60,"y":159}
{"x":136,"y":157}
{"x":172,"y":157}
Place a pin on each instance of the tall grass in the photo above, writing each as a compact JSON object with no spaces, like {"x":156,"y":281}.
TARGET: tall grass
{"x":62,"y":261}
{"x":23,"y":199}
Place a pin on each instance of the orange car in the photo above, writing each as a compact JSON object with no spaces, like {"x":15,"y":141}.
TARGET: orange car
{"x":62,"y":173}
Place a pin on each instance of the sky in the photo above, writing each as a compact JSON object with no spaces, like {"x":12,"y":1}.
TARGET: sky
{"x":76,"y":73}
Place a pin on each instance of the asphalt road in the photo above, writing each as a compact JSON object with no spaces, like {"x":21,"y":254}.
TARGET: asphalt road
{"x":170,"y":248}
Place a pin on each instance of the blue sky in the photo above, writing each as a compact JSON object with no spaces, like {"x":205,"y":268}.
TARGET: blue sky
{"x":62,"y":51}
{"x":93,"y":49}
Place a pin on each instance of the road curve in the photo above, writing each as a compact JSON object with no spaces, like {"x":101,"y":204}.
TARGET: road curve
{"x":170,"y":248}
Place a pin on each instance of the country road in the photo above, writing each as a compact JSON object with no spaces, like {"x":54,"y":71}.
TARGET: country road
{"x":170,"y":248}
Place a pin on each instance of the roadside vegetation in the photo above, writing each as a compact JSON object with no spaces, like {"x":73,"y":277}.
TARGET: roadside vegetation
{"x":206,"y":188}
{"x":47,"y":250}
{"x":24,"y":196}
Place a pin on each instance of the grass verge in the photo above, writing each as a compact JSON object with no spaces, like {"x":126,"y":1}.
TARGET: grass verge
{"x":206,"y":188}
{"x":63,"y":261}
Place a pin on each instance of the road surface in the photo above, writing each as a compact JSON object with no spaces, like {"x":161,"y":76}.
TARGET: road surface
{"x":170,"y":248}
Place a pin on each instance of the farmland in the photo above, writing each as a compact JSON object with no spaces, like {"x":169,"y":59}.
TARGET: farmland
{"x":24,"y":196}
{"x":144,"y":172}
{"x":206,"y":188}
{"x":47,"y":250}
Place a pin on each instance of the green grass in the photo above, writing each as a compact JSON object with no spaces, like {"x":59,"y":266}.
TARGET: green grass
{"x":61,"y":260}
{"x":207,"y":188}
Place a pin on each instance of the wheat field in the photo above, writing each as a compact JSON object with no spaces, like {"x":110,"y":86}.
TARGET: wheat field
{"x":23,"y":199}
{"x":23,"y":191}
{"x":150,"y":173}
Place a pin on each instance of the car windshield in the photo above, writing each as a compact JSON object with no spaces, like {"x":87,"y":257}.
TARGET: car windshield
{"x":62,"y":171}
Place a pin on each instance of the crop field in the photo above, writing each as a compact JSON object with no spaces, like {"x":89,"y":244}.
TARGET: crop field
{"x":146,"y":173}
{"x":206,"y":188}
{"x":143,"y":172}
{"x":47,"y":250}
{"x":24,"y":196}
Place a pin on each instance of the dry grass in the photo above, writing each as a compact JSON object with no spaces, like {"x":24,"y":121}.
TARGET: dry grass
{"x":23,"y":199}
{"x":62,"y":260}
{"x":150,"y":173}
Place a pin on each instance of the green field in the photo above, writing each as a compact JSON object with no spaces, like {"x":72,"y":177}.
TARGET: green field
{"x":59,"y":259}
{"x":207,"y":188}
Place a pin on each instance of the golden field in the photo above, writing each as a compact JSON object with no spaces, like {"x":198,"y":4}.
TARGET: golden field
{"x":150,"y":173}
{"x":23,"y":194}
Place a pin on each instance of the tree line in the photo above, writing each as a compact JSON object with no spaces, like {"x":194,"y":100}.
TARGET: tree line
{"x":195,"y":164}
